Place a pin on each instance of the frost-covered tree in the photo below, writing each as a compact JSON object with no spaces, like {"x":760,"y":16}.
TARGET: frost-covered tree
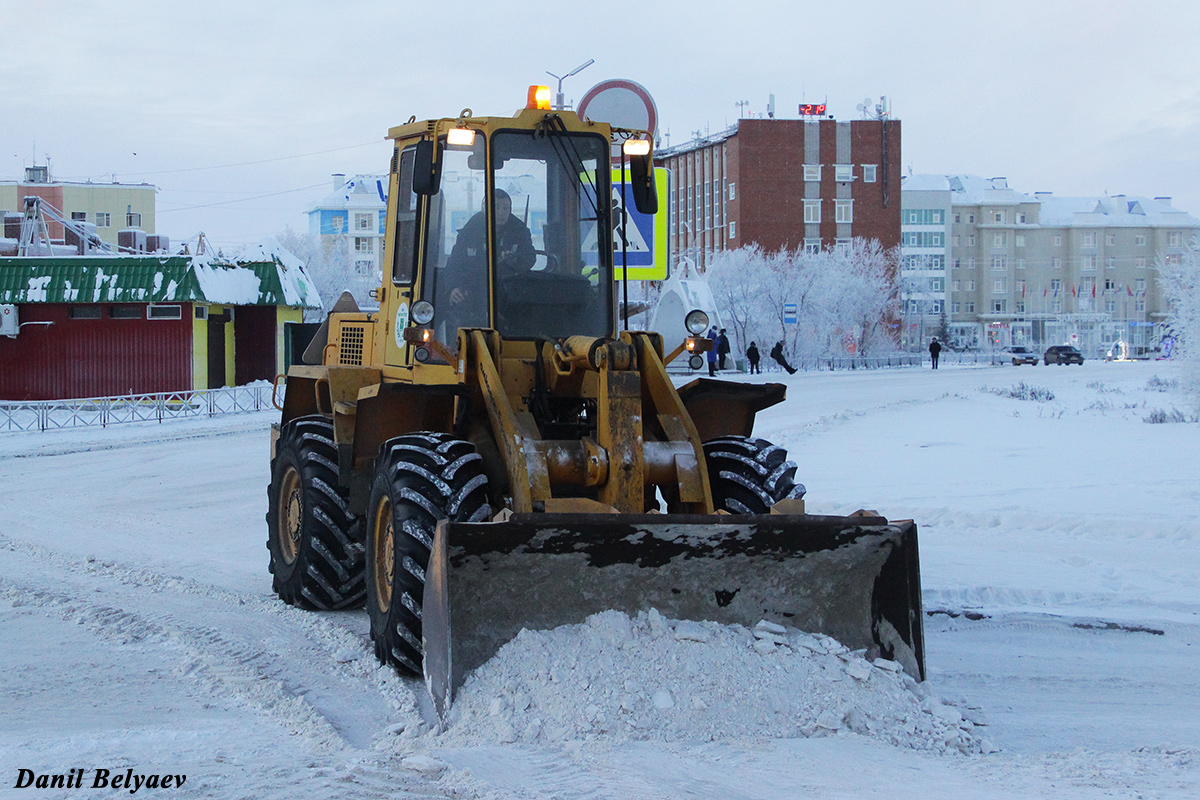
{"x":842,"y":295}
{"x":330,"y":266}
{"x":1181,"y":289}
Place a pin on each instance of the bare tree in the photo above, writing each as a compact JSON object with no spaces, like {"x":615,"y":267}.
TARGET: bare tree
{"x":1181,"y":289}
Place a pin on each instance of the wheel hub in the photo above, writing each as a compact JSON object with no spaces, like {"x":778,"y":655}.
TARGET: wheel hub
{"x":291,"y":515}
{"x":384,"y":555}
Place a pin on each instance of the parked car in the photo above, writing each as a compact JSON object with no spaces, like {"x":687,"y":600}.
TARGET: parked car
{"x":1021,"y":355}
{"x":1063,"y":354}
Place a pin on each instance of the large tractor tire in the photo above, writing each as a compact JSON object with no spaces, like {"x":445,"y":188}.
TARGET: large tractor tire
{"x":420,"y":478}
{"x":315,"y":542}
{"x":749,"y":475}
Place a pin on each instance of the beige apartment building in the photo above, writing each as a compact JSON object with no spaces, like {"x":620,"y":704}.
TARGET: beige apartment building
{"x":1037,"y":270}
{"x":111,"y":207}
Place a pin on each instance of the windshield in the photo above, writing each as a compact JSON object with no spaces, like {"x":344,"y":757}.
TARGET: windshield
{"x":541,"y":240}
{"x":546,"y":190}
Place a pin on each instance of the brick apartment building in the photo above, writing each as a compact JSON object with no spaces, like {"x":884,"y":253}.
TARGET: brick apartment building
{"x":775,"y":183}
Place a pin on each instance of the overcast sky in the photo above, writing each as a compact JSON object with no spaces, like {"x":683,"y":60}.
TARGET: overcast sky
{"x":240,"y":111}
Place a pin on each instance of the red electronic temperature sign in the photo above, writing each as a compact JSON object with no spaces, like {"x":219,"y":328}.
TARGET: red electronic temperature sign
{"x":812,"y":109}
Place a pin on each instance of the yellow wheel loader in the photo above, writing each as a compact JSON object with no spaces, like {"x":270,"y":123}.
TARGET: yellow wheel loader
{"x":488,"y":452}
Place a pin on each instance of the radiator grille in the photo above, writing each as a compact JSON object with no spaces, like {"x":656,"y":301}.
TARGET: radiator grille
{"x":351,"y":350}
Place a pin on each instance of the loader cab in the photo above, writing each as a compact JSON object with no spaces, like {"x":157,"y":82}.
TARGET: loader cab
{"x":507,"y":228}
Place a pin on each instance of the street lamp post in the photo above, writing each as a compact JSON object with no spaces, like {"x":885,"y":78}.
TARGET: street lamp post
{"x":559,"y":105}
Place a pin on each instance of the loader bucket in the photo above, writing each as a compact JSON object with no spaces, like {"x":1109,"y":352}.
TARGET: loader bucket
{"x":853,"y":578}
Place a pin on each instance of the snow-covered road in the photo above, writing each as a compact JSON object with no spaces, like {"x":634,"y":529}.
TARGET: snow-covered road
{"x":1060,"y":565}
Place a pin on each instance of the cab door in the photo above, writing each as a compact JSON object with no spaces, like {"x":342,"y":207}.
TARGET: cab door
{"x":403,"y":238}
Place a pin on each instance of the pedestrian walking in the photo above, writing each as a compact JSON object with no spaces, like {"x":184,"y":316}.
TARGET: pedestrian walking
{"x":713,"y":337}
{"x":777,"y":354}
{"x":722,"y":349}
{"x":935,"y":349}
{"x":752,"y":358}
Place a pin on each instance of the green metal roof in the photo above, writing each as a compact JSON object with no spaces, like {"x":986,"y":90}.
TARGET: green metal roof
{"x":156,"y":279}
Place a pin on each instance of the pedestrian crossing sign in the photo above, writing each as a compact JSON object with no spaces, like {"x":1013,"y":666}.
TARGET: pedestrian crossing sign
{"x":639,"y":240}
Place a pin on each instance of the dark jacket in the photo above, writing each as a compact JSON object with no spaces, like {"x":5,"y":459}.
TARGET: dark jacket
{"x":935,"y":347}
{"x":752,"y":353}
{"x":467,"y":265}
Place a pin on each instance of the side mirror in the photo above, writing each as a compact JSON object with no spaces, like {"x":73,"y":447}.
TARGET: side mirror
{"x":645,"y":197}
{"x":427,"y":168}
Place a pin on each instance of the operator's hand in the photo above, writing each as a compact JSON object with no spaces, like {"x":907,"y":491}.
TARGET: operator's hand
{"x":457,"y":295}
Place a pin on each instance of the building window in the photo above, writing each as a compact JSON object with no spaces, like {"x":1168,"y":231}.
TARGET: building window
{"x":971,"y":240}
{"x":1056,"y":262}
{"x":733,"y":229}
{"x":970,"y":219}
{"x":812,"y":246}
{"x":999,"y":306}
{"x":1111,"y":239}
{"x":935,"y":307}
{"x":362,"y":222}
{"x":1056,"y":285}
{"x":843,"y":173}
{"x":1140,"y":262}
{"x":1140,"y":240}
{"x":970,"y":263}
{"x":957,"y":263}
{"x":1019,"y":240}
{"x":843,"y":210}
{"x":1021,"y":218}
{"x":1139,"y":306}
{"x":1141,"y":284}
{"x":999,"y":264}
{"x":1089,"y":262}
{"x":78,"y":216}
{"x":957,"y":308}
{"x":1000,"y":216}
{"x":842,"y":245}
{"x":84,"y":312}
{"x":1173,"y":239}
{"x":812,"y":172}
{"x":1111,"y":262}
{"x":956,"y":286}
{"x":733,"y":191}
{"x":1057,"y":306}
{"x":133,"y":220}
{"x":999,"y":285}
{"x":164,"y":312}
{"x":364,"y":267}
{"x":969,"y":306}
{"x":969,"y":286}
{"x":125,"y":312}
{"x":103,"y":219}
{"x":1058,"y":241}
{"x":1109,"y":285}
{"x":364,"y":244}
{"x":1088,"y":239}
{"x":869,"y":172}
{"x":999,"y":240}
{"x":1020,"y":309}
{"x":957,"y":218}
{"x":957,"y":240}
{"x":1110,"y":306}
{"x":1020,"y":263}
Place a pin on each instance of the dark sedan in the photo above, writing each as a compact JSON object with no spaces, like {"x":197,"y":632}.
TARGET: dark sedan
{"x":1063,"y":354}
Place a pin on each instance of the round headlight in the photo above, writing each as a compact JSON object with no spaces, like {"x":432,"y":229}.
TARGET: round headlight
{"x":696,"y":361}
{"x":422,"y":312}
{"x":696,"y":322}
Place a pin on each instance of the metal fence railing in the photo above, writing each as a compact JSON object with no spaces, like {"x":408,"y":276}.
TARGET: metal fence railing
{"x":43,"y":415}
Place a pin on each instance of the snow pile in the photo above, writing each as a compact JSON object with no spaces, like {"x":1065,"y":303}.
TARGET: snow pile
{"x":650,"y":678}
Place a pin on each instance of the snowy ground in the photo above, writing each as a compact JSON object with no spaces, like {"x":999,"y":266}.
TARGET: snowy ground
{"x":1060,"y":559}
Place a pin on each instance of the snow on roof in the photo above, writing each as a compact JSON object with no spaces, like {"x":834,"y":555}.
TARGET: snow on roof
{"x":266,"y":275}
{"x":1117,"y":211}
{"x":361,"y":191}
{"x":925,"y":183}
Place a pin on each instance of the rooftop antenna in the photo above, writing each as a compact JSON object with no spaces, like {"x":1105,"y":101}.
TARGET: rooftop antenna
{"x":558,"y":96}
{"x":864,"y":108}
{"x":741,"y":104}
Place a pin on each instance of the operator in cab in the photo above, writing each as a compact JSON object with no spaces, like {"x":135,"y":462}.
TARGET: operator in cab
{"x":467,"y":266}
